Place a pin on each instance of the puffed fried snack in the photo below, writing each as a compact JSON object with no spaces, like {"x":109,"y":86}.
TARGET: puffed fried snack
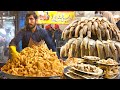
{"x":35,"y":61}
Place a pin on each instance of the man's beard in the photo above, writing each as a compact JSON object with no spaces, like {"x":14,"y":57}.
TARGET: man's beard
{"x":30,"y":27}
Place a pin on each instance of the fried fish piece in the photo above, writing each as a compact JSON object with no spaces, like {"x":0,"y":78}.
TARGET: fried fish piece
{"x":113,"y":49}
{"x":62,"y":51}
{"x":77,"y":29}
{"x":117,"y":45}
{"x":72,"y":49}
{"x":78,"y":43}
{"x":91,"y":47}
{"x":98,"y":32}
{"x":106,"y":48}
{"x":71,"y":32}
{"x":100,"y":49}
{"x":85,"y":42}
{"x":89,"y":29}
{"x":66,"y":34}
{"x":85,"y":28}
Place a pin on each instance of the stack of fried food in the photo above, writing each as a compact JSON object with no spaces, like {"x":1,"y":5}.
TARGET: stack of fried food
{"x":95,"y":27}
{"x":94,"y":36}
{"x":80,"y":47}
{"x":35,"y":61}
{"x":110,"y":67}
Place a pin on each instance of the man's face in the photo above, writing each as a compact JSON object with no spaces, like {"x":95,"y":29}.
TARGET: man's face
{"x":31,"y":22}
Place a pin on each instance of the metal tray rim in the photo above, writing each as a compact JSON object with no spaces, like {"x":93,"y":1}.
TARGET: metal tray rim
{"x":10,"y":76}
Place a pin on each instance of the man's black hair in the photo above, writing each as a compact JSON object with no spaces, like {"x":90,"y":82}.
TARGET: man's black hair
{"x":31,"y":13}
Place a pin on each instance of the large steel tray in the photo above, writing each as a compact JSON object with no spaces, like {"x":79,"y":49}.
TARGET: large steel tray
{"x":10,"y":76}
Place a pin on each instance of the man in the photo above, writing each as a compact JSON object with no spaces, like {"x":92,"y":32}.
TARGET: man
{"x":57,"y":33}
{"x":51,"y":31}
{"x":58,"y":40}
{"x":31,"y":30}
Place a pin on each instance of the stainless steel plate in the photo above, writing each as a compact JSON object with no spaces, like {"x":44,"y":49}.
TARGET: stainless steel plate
{"x":10,"y":76}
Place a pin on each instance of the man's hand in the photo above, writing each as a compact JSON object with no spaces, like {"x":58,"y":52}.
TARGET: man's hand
{"x":13,"y":52}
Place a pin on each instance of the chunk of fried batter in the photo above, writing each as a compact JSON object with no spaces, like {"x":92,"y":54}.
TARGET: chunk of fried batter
{"x":36,"y":61}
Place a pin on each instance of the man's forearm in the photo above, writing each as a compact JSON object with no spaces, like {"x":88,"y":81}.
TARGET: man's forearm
{"x":16,"y":39}
{"x":12,"y":43}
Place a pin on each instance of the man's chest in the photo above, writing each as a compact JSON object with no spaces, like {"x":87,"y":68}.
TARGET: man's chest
{"x":35,"y":36}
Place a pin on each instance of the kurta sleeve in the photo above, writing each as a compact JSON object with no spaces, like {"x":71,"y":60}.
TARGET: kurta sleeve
{"x":17,"y":38}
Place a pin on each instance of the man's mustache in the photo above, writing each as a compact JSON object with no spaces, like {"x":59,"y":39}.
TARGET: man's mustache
{"x":29,"y":24}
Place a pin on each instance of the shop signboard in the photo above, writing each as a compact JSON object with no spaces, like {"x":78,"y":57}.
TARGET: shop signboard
{"x":55,"y":17}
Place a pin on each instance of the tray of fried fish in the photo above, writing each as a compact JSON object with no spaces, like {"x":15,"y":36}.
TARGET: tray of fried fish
{"x":108,"y":62}
{"x":94,"y":58}
{"x":90,"y":59}
{"x":70,"y":75}
{"x":73,"y":74}
{"x":88,"y":69}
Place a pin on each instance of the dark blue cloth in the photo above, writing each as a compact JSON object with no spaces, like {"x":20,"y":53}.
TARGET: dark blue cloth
{"x":25,"y":34}
{"x":58,"y":34}
{"x":51,"y":34}
{"x":118,"y":24}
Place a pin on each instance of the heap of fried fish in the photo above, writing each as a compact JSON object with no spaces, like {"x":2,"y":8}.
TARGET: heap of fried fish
{"x":80,"y":47}
{"x":94,"y":36}
{"x":98,"y":27}
{"x":35,"y":61}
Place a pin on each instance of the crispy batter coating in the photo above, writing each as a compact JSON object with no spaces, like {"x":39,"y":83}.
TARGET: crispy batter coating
{"x":108,"y":61}
{"x":37,"y":61}
{"x":110,"y":67}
